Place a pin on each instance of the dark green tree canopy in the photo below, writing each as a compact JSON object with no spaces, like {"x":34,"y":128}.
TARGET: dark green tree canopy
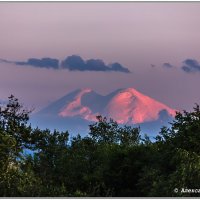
{"x":111,"y":161}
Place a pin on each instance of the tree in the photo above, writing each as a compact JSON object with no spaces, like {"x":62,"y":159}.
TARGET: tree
{"x":48,"y":160}
{"x":110,"y":132}
{"x":112,"y":160}
{"x":176,"y":159}
{"x":14,"y":137}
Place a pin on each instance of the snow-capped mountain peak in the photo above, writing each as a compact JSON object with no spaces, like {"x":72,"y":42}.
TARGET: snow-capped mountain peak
{"x":124,"y":105}
{"x":75,"y":107}
{"x":131,"y":106}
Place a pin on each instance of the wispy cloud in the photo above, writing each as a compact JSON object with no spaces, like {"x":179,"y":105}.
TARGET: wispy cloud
{"x":191,"y":66}
{"x":35,"y":62}
{"x":43,"y":63}
{"x":167,"y":65}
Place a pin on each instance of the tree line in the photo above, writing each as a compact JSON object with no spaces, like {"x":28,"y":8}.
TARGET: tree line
{"x":111,"y":161}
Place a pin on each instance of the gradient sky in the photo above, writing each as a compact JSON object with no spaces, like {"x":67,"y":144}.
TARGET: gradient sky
{"x":137,"y":35}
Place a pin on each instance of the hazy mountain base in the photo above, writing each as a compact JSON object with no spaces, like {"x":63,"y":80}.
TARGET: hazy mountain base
{"x":77,"y":125}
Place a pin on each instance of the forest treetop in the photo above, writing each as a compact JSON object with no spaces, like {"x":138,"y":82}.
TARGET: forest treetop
{"x":110,"y":161}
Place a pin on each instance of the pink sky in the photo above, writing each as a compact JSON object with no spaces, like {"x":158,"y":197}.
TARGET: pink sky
{"x":134,"y":34}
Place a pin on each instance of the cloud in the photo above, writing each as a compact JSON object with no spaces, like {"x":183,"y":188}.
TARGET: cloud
{"x":42,"y":63}
{"x":191,"y":65}
{"x":76,"y":63}
{"x":5,"y":61}
{"x":167,"y":65}
{"x":72,"y":63}
{"x":96,"y":65}
{"x":118,"y":67}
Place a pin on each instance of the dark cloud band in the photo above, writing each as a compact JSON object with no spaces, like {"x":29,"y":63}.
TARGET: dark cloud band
{"x":76,"y":63}
{"x":72,"y":63}
{"x":42,"y":63}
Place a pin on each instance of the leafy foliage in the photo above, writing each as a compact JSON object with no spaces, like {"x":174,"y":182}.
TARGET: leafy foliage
{"x":112,"y":161}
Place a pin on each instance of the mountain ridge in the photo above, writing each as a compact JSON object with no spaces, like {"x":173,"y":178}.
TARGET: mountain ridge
{"x":125,"y":105}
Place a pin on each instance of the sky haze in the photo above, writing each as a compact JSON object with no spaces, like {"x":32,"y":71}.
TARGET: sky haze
{"x":159,"y":42}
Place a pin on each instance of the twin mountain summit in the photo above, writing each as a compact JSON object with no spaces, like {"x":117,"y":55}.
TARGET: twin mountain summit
{"x":76,"y":110}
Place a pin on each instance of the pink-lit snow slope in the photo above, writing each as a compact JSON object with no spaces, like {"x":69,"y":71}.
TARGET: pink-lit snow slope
{"x":125,"y":106}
